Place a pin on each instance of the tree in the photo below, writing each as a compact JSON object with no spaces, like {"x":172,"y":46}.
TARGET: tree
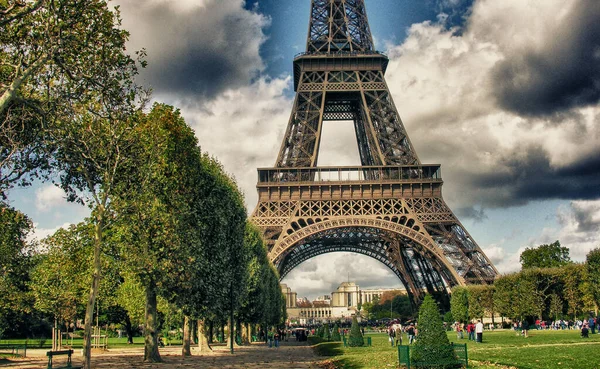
{"x":545,"y":256}
{"x":592,"y":263}
{"x":432,"y":345}
{"x":154,"y":201}
{"x":356,"y":338}
{"x":572,"y":278}
{"x":476,"y":305}
{"x":556,"y":306}
{"x":54,"y":54}
{"x":335,"y":335}
{"x":15,"y":264}
{"x":459,"y":304}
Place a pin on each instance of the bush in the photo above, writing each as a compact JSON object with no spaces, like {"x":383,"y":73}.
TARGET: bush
{"x":432,"y":345}
{"x":335,"y":335}
{"x":326,"y":333}
{"x":356,"y":338}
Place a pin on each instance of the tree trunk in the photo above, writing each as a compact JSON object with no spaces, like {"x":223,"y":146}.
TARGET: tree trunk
{"x":151,"y":353}
{"x":246,"y":334}
{"x":231,"y":331}
{"x":89,"y":310}
{"x":211,"y":331}
{"x":238,"y":333}
{"x":203,"y":344}
{"x":223,"y":331}
{"x":187,"y":337}
{"x":128,"y":329}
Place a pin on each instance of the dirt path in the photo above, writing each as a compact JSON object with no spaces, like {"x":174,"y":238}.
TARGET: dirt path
{"x":290,"y":355}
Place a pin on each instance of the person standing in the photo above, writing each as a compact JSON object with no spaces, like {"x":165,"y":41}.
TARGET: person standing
{"x":398,"y":333}
{"x":391,"y":334}
{"x":479,"y":331}
{"x":411,"y":333}
{"x":471,"y":331}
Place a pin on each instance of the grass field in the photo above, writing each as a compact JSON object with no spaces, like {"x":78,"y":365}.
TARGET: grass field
{"x":500,"y":349}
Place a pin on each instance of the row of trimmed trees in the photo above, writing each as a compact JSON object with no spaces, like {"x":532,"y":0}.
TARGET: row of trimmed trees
{"x":570,"y":291}
{"x":167,"y":225}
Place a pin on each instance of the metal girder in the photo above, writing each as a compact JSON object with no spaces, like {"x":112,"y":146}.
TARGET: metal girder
{"x":338,"y":26}
{"x":359,"y":96}
{"x":399,"y":254}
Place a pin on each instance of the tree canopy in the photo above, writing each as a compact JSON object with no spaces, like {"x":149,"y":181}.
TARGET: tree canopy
{"x":545,"y":256}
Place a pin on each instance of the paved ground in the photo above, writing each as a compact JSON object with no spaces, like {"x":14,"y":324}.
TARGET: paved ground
{"x":290,"y":355}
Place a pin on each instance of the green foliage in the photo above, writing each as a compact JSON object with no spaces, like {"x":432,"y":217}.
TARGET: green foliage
{"x":335,"y":335}
{"x":545,"y":256}
{"x":592,"y":264}
{"x":356,"y":338}
{"x":397,"y":305}
{"x":15,"y":262}
{"x":326,"y":332}
{"x":432,"y":344}
{"x":459,"y":304}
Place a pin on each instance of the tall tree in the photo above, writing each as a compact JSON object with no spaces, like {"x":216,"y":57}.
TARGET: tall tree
{"x":154,"y":205}
{"x":545,"y":256}
{"x":459,"y":304}
{"x":592,"y":263}
{"x":15,"y":264}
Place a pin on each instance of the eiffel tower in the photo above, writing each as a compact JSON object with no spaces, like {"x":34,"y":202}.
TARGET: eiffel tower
{"x":389,"y":208}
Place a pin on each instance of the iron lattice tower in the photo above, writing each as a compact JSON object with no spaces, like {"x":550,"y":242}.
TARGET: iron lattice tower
{"x":391,"y":207}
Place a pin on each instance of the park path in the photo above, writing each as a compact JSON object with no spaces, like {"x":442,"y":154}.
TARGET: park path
{"x":290,"y":355}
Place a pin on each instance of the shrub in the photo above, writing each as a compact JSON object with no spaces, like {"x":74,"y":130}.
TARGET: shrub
{"x":356,"y":338}
{"x":326,"y":332}
{"x":432,"y":345}
{"x":335,"y":335}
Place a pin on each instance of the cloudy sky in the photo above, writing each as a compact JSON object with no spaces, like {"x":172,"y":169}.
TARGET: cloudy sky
{"x":504,"y":94}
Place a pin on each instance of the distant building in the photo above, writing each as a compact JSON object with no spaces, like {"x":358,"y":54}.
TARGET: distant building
{"x":342,"y":304}
{"x":290,"y":297}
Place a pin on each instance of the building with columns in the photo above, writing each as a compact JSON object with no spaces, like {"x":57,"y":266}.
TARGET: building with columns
{"x":342,"y":304}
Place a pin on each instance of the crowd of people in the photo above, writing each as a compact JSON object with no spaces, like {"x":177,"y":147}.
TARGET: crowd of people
{"x":473,"y":330}
{"x":396,"y":330}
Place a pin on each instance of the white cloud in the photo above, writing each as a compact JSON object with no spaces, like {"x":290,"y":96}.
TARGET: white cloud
{"x":39,"y":234}
{"x":49,"y":197}
{"x":322,"y":274}
{"x":445,"y":86}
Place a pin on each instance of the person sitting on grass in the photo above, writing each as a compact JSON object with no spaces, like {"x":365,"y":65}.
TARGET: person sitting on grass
{"x":585,"y":332}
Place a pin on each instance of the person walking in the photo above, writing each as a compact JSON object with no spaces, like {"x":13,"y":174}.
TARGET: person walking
{"x":479,"y":331}
{"x":398,"y":333}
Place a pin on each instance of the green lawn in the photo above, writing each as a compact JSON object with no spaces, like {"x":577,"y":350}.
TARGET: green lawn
{"x":542,"y":350}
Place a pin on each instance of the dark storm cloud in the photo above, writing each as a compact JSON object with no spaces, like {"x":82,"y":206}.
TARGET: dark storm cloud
{"x":528,"y":177}
{"x":196,"y":50}
{"x":563,"y":74}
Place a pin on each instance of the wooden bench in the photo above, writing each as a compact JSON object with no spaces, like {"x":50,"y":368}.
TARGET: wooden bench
{"x":14,"y":349}
{"x":68,"y":365}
